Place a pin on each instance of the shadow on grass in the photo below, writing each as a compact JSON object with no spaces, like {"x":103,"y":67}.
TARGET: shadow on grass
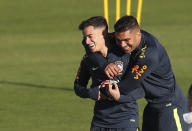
{"x":35,"y":86}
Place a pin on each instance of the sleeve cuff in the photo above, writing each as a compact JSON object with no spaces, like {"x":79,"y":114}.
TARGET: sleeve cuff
{"x":93,"y":93}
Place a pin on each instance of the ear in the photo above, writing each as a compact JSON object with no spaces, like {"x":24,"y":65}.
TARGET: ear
{"x":104,"y":33}
{"x":138,"y":34}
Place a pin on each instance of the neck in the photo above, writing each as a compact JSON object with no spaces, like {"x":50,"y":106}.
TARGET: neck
{"x":104,"y":51}
{"x":139,"y":39}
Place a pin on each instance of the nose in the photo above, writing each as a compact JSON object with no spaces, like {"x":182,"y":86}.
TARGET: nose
{"x":123,"y":44}
{"x":88,"y":40}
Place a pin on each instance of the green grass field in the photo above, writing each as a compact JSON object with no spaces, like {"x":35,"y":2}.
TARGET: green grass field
{"x":41,"y":49}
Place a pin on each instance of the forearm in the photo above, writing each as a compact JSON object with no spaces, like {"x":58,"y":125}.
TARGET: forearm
{"x":84,"y":92}
{"x":132,"y":95}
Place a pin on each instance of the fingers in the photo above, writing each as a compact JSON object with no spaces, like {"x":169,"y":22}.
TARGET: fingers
{"x":114,"y":69}
{"x":116,"y":86}
{"x":110,"y":92}
{"x":99,"y":94}
{"x":113,"y":90}
{"x":117,"y":95}
{"x":110,"y":88}
{"x":111,"y":70}
{"x":109,"y":74}
{"x":102,"y":85}
{"x":114,"y":93}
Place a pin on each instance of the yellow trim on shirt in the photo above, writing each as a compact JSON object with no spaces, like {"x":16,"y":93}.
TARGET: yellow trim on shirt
{"x":177,"y":119}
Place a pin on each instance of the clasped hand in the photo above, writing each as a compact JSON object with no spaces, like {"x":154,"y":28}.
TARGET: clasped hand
{"x":109,"y":91}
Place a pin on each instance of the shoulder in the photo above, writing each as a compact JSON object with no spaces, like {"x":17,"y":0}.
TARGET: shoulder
{"x":148,"y":37}
{"x":151,"y":41}
{"x":148,"y":55}
{"x":152,"y":48}
{"x":84,"y":59}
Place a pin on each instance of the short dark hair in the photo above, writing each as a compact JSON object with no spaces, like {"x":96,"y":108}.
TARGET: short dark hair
{"x":126,"y":23}
{"x":190,"y":91}
{"x":96,"y":21}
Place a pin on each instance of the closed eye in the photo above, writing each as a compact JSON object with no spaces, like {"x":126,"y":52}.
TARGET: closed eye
{"x":126,"y":40}
{"x":88,"y":36}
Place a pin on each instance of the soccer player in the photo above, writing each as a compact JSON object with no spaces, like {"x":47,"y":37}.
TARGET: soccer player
{"x":149,"y":71}
{"x":109,"y":115}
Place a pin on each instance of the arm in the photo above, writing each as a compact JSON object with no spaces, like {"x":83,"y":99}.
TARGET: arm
{"x":131,"y":96}
{"x":138,"y":73}
{"x":131,"y":86}
{"x":81,"y":81}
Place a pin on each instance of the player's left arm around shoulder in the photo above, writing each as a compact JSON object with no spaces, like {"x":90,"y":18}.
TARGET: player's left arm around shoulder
{"x":130,"y":86}
{"x":141,"y":68}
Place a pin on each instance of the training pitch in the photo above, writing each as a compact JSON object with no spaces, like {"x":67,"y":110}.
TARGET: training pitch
{"x":41,"y":49}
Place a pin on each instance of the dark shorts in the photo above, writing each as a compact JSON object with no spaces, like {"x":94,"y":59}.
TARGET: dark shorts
{"x":170,"y":119}
{"x":96,"y":128}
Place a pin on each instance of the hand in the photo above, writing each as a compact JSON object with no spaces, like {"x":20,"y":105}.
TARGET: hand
{"x":111,"y":70}
{"x":100,"y":95}
{"x":114,"y":93}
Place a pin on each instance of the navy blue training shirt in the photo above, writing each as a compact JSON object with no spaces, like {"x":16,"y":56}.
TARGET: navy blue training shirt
{"x":107,"y":113}
{"x":150,"y":73}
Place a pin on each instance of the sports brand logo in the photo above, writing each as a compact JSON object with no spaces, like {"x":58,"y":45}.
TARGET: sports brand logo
{"x":94,"y":68}
{"x":143,"y":52}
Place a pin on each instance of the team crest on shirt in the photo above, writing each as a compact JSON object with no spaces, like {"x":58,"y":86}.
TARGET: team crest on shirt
{"x":143,"y":52}
{"x":120,"y":65}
